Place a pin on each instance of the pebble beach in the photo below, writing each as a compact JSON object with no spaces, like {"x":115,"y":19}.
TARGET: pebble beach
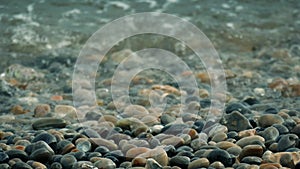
{"x":41,"y":127}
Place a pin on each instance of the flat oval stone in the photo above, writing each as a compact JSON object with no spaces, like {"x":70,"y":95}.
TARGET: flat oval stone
{"x":136,"y":151}
{"x":252,"y":160}
{"x":152,"y":164}
{"x":251,"y":150}
{"x":17,"y":154}
{"x":250,"y":140}
{"x":48,"y":123}
{"x":199,"y":163}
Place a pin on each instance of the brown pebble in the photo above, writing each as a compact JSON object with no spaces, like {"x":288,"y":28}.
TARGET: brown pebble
{"x":109,"y":118}
{"x":199,"y":163}
{"x":175,"y":141}
{"x":158,"y":154}
{"x":251,"y":150}
{"x":250,"y":140}
{"x":135,"y":111}
{"x":134,"y":152}
{"x":270,"y":166}
{"x":268,"y":120}
{"x":246,"y":133}
{"x":41,"y":110}
{"x":225,"y":145}
{"x":17,"y":109}
{"x":139,"y":161}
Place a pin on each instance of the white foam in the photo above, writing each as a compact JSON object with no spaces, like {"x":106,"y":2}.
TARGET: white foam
{"x":119,"y":4}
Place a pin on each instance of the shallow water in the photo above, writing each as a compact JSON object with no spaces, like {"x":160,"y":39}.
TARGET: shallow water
{"x":246,"y":34}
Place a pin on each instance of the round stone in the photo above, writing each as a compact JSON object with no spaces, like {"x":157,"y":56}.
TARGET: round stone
{"x":235,"y":121}
{"x":252,"y":160}
{"x":17,"y":154}
{"x":251,"y":150}
{"x":180,"y":161}
{"x":221,"y":156}
{"x":41,"y":155}
{"x":67,"y":161}
{"x":105,"y":163}
{"x":4,"y":158}
{"x":48,"y":123}
{"x":268,"y":120}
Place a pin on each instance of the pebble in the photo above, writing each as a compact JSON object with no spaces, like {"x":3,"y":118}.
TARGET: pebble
{"x":268,"y":120}
{"x":219,"y":137}
{"x":152,"y":164}
{"x":134,"y":152}
{"x":174,"y":141}
{"x":103,"y":142}
{"x":180,"y":161}
{"x":21,"y":165}
{"x":138,"y":162}
{"x":41,"y":110}
{"x":41,"y":155}
{"x":221,"y":156}
{"x":251,"y":150}
{"x":135,"y":111}
{"x":250,"y":140}
{"x":48,"y":123}
{"x":216,"y":165}
{"x":199,"y":163}
{"x":158,"y":154}
{"x":235,"y":121}
{"x":4,"y":158}
{"x":166,"y":119}
{"x":270,"y":134}
{"x":252,"y":160}
{"x":287,"y":141}
{"x":237,"y":107}
{"x":65,"y":111}
{"x":17,"y":154}
{"x":105,"y":163}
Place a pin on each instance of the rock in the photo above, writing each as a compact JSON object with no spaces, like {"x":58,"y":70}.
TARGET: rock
{"x":105,"y":163}
{"x":270,"y":166}
{"x":236,"y":151}
{"x":199,"y":163}
{"x":270,"y":134}
{"x":134,"y":152}
{"x":217,"y":165}
{"x":282,"y":129}
{"x":65,"y":111}
{"x":225,"y":145}
{"x":221,"y":156}
{"x":219,"y":137}
{"x":17,"y":154}
{"x":174,"y":141}
{"x":174,"y":129}
{"x":17,"y":110}
{"x":235,"y":121}
{"x":4,"y":158}
{"x":21,"y":165}
{"x":135,"y":111}
{"x":103,"y":142}
{"x":41,"y":110}
{"x":237,"y":107}
{"x":180,"y":161}
{"x":152,"y":164}
{"x":286,"y":160}
{"x":252,"y":160}
{"x":250,"y":140}
{"x":138,"y":162}
{"x":287,"y":141}
{"x":133,"y":124}
{"x":166,"y":119}
{"x":251,"y":150}
{"x":36,"y":165}
{"x":48,"y":123}
{"x":268,"y":120}
{"x":158,"y":154}
{"x":41,"y":155}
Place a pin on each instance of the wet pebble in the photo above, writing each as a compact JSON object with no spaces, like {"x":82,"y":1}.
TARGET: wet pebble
{"x":251,"y":150}
{"x":268,"y":120}
{"x":152,"y":164}
{"x":17,"y":154}
{"x":48,"y":123}
{"x":199,"y":163}
{"x":41,"y":110}
{"x":220,"y":155}
{"x":21,"y":165}
{"x":237,"y":107}
{"x":287,"y":141}
{"x":105,"y":163}
{"x":4,"y":158}
{"x":180,"y":161}
{"x":252,"y":160}
{"x":235,"y":121}
{"x":67,"y":161}
{"x":250,"y":140}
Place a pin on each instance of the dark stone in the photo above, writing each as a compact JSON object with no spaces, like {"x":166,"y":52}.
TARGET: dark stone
{"x":251,"y":100}
{"x":91,"y":133}
{"x":67,"y":161}
{"x":281,"y":129}
{"x":56,"y":165}
{"x":237,"y":107}
{"x":101,"y":149}
{"x":235,"y":121}
{"x":47,"y":138}
{"x":287,"y":141}
{"x":17,"y":154}
{"x":222,"y":156}
{"x":180,"y":161}
{"x":186,"y":153}
{"x":233,"y":134}
{"x":4,"y":158}
{"x":253,"y":160}
{"x":271,"y":110}
{"x":170,"y":150}
{"x":41,"y":155}
{"x":21,"y":165}
{"x":92,"y":115}
{"x":205,"y":103}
